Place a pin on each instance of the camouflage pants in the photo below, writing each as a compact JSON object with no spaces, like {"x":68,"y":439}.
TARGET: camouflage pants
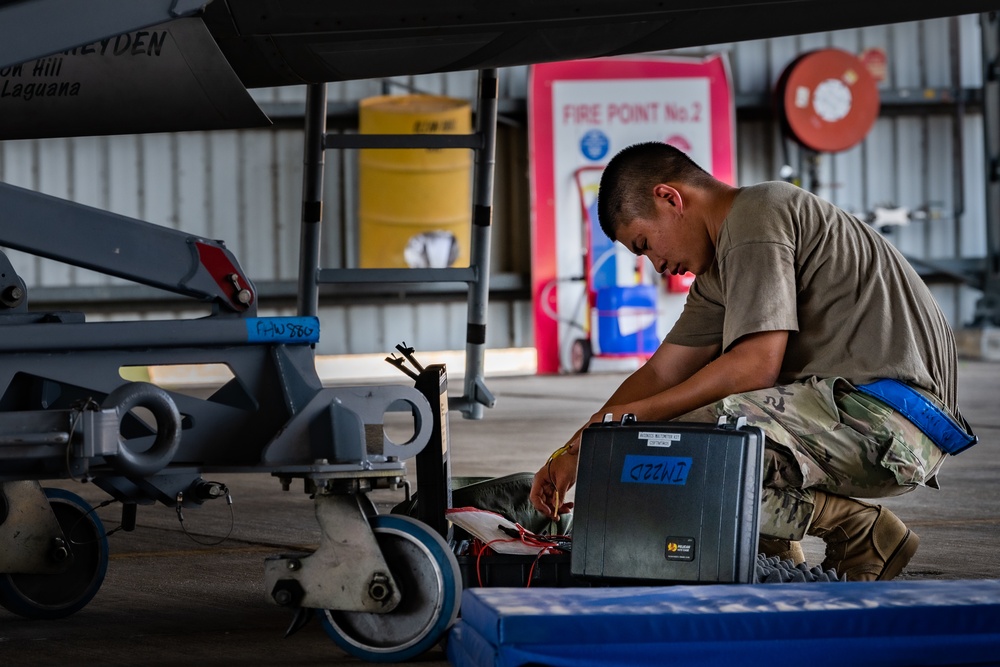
{"x":824,"y":435}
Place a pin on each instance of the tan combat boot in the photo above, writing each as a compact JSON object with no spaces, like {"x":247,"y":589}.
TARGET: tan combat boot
{"x":864,"y":542}
{"x":783,"y":549}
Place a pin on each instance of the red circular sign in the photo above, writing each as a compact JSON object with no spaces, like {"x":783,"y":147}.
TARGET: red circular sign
{"x":829,"y":100}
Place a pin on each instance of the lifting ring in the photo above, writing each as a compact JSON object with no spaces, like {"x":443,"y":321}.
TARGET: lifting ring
{"x":168,"y":428}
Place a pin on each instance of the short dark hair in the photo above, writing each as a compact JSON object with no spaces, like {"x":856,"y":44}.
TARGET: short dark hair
{"x":631,"y":175}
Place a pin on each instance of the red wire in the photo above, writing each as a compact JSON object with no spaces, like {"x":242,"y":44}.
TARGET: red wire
{"x":527,"y":538}
{"x":531,"y":571}
{"x":479,"y":574}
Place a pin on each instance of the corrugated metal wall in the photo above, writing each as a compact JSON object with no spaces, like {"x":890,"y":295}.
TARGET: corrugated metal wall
{"x":245,"y":186}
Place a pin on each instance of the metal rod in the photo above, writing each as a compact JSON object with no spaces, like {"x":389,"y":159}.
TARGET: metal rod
{"x":312,"y":199}
{"x":476,"y":396}
{"x":457,"y":275}
{"x":114,"y":245}
{"x":400,"y":364}
{"x":154,"y":334}
{"x":407,"y":353}
{"x":958,"y":141}
{"x":988,"y":307}
{"x":473,"y":141}
{"x":991,"y":119}
{"x":957,"y":149}
{"x":23,"y":439}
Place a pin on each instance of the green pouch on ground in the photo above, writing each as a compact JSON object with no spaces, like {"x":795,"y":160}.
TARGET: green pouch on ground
{"x":508,"y":496}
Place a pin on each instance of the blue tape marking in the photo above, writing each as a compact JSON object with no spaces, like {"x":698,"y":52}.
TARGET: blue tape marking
{"x":929,"y":418}
{"x":282,"y":329}
{"x":656,"y":469}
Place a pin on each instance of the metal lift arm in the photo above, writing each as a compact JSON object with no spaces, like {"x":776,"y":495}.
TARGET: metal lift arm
{"x":124,"y":247}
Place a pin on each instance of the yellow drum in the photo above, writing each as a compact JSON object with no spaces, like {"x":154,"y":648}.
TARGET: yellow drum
{"x":415,"y":204}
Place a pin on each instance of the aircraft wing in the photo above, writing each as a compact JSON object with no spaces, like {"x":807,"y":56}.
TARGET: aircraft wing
{"x":71,"y":68}
{"x":270,"y":43}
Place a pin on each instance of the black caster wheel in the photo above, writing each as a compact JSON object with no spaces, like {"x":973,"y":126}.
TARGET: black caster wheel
{"x":50,"y":596}
{"x":430,"y":583}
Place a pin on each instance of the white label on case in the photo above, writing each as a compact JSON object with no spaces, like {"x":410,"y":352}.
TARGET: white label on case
{"x":659,"y":439}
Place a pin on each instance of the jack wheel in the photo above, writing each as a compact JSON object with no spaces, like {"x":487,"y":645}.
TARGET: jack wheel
{"x":430,"y":584}
{"x":580,"y":355}
{"x":51,"y":596}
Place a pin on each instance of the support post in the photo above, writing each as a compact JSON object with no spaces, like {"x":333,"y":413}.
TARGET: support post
{"x":477,"y":396}
{"x":988,"y":307}
{"x":433,"y":461}
{"x":312,"y":199}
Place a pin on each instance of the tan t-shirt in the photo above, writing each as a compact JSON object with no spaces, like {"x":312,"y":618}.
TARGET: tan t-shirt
{"x":788,"y":260}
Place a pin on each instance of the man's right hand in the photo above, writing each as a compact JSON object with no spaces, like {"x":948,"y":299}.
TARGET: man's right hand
{"x":554,"y":480}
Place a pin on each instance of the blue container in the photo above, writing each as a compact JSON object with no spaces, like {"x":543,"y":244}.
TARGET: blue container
{"x":626,"y":320}
{"x":603,"y":261}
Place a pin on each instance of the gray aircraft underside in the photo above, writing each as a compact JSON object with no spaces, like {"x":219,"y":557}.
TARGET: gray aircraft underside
{"x":133,"y":66}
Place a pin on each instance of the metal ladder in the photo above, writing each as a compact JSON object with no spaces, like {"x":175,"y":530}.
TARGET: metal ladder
{"x":476,"y":276}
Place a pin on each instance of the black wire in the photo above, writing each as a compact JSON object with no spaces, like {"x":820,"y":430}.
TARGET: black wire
{"x":232,"y":520}
{"x":180,"y":516}
{"x":107,"y":534}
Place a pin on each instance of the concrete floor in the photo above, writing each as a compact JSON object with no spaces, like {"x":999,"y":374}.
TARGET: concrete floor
{"x":170,"y":601}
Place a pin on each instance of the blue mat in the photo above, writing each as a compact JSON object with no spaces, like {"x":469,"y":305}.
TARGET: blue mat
{"x":835,"y":624}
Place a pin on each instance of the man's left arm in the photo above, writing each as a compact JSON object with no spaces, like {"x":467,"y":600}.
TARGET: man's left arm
{"x":752,"y":362}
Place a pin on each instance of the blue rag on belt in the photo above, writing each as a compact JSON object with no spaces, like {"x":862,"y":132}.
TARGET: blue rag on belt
{"x":934,"y":422}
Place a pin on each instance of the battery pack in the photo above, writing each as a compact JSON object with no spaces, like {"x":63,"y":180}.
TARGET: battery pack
{"x":668,"y":502}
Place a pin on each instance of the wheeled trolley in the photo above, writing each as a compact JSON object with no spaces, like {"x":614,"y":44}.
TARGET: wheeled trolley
{"x":619,"y":321}
{"x":386,"y":588}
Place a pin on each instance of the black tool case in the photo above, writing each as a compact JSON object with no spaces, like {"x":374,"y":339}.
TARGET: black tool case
{"x":667,"y":502}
